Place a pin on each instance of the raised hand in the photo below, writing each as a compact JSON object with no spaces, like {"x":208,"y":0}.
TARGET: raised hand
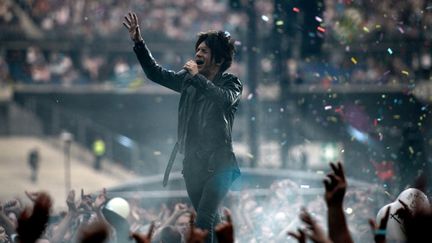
{"x":196,"y":235}
{"x":380,"y":230}
{"x":225,"y":231}
{"x":141,"y":238}
{"x":335,"y":185}
{"x":314,"y":232}
{"x":131,"y":24}
{"x":100,"y":199}
{"x":70,"y":202}
{"x":86,"y":202}
{"x":300,"y":235}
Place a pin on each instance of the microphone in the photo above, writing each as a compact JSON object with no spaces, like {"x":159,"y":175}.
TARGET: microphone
{"x":185,"y":73}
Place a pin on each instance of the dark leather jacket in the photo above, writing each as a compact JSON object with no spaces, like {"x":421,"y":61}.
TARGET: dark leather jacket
{"x":210,"y":104}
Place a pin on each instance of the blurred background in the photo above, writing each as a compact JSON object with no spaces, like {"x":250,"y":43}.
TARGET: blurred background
{"x":326,"y":80}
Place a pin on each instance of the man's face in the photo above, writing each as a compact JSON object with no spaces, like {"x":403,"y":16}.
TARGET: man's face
{"x":203,"y":57}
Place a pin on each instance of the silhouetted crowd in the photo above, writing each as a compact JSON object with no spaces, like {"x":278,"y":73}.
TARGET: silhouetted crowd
{"x":100,"y":218}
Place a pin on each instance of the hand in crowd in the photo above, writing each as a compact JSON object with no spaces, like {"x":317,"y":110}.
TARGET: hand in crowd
{"x":300,"y":235}
{"x":335,"y":185}
{"x":196,"y":235}
{"x":225,"y":231}
{"x":314,"y":230}
{"x":379,"y":231}
{"x":100,"y":199}
{"x":144,"y":238}
{"x":70,"y":202}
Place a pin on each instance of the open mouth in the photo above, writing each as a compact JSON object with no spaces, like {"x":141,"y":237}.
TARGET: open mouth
{"x":199,"y":62}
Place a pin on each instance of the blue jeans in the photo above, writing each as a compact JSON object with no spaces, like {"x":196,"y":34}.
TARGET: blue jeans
{"x":206,"y":191}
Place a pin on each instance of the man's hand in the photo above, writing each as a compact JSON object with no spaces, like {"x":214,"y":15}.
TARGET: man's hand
{"x":196,"y":235}
{"x":70,"y":202}
{"x":192,"y":67}
{"x":314,"y":230}
{"x":142,"y":238}
{"x":100,"y":200}
{"x":300,"y":235}
{"x":131,"y":24}
{"x":225,"y":231}
{"x":335,"y":186}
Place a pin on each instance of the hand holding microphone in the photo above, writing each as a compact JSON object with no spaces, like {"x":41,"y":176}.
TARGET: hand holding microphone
{"x":192,"y":67}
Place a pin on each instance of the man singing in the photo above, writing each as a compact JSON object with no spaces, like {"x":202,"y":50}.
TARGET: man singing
{"x":209,"y":99}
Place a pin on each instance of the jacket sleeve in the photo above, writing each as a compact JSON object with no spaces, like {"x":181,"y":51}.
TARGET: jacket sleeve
{"x":155,"y":72}
{"x":225,"y":95}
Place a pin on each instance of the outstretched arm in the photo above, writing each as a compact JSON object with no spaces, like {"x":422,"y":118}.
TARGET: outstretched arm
{"x":335,"y":188}
{"x":153,"y":71}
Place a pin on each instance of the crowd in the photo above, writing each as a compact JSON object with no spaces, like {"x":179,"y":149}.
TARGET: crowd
{"x":99,"y":218}
{"x":364,"y":41}
{"x":87,"y":19}
{"x":385,"y":42}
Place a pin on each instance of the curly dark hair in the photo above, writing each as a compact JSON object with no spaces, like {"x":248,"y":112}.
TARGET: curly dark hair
{"x":221,"y":46}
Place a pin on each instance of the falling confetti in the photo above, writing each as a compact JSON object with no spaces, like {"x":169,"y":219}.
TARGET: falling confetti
{"x":327,"y":107}
{"x":321,"y":29}
{"x":411,"y":150}
{"x":279,"y":22}
{"x":264,"y":18}
{"x":405,"y":72}
{"x":389,"y":50}
{"x":365,"y":29}
{"x":250,"y":96}
{"x":353,"y":60}
{"x":318,"y":19}
{"x":401,"y":30}
{"x":297,"y":10}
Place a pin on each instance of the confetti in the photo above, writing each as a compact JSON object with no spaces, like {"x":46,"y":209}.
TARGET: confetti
{"x":250,"y":96}
{"x":318,"y":19}
{"x":279,"y":22}
{"x":304,"y":186}
{"x":411,"y":150}
{"x":378,"y":26}
{"x":405,"y":72}
{"x":353,"y":60}
{"x":321,"y":29}
{"x":389,"y":50}
{"x":365,"y":29}
{"x":401,"y":30}
{"x":327,"y":107}
{"x":297,"y":10}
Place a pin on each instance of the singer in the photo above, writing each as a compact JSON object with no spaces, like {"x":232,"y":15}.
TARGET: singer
{"x":209,"y":98}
